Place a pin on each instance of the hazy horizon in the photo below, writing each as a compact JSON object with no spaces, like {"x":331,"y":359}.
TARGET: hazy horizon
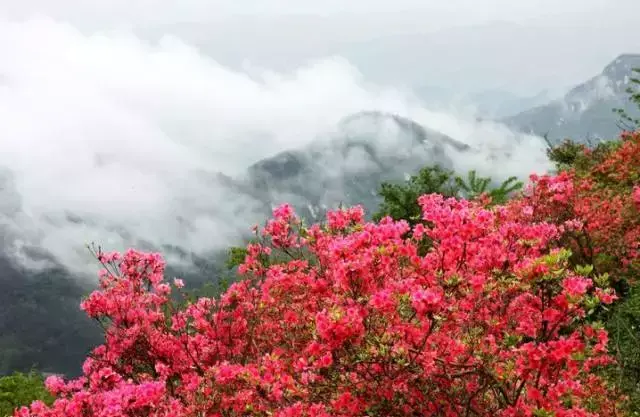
{"x":521,"y":47}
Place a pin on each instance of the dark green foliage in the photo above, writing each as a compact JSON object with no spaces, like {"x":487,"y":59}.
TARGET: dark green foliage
{"x":624,"y":332}
{"x":565,"y":155}
{"x":400,"y":201}
{"x":571,"y":155}
{"x":21,"y":389}
{"x":475,"y":186}
{"x":236,"y":256}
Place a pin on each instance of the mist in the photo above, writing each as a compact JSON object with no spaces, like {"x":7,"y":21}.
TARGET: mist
{"x":108,"y":138}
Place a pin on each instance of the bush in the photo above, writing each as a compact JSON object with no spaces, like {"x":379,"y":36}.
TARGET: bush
{"x":347,"y":319}
{"x":465,"y":308}
{"x":601,"y":197}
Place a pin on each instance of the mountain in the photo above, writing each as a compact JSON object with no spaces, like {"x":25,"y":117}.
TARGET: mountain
{"x":366,"y":149}
{"x":585,"y":113}
{"x":486,"y":104}
{"x":41,"y":323}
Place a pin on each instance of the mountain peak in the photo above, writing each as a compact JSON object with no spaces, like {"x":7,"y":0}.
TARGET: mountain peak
{"x":622,"y":66}
{"x":585,"y":113}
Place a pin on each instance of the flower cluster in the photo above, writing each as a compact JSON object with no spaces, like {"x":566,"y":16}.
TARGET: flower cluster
{"x":488,"y":322}
{"x":597,"y":208}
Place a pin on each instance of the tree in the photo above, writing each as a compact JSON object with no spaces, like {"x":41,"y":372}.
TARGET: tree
{"x":20,"y":389}
{"x":400,"y":201}
{"x":475,"y":187}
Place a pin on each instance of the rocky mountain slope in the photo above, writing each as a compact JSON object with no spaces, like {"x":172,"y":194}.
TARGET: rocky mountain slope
{"x":585,"y":113}
{"x":366,"y":148}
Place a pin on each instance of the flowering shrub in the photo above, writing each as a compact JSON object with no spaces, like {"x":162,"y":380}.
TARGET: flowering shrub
{"x":595,"y":201}
{"x":468,"y":311}
{"x":349,"y":319}
{"x":596,"y":205}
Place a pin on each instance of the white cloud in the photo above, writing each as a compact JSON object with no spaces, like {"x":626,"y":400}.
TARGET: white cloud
{"x":128,"y":136}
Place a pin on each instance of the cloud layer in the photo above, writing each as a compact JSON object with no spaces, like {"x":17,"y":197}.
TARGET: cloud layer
{"x":107,"y":138}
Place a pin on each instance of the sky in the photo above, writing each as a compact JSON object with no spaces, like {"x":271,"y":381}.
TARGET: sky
{"x":118,"y":113}
{"x":457,"y":11}
{"x":520,"y":46}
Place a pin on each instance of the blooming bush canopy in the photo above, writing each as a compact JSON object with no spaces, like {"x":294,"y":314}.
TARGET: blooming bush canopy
{"x":351,"y":319}
{"x":597,"y":206}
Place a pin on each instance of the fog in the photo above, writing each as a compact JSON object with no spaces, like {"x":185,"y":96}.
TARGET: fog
{"x":108,"y":138}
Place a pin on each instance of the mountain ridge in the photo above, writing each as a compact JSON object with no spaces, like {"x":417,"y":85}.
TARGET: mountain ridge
{"x":585,"y":112}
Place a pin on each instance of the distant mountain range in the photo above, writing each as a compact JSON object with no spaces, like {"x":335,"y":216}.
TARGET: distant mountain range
{"x":585,"y":113}
{"x":487,"y":104}
{"x":366,"y":149}
{"x":496,"y":104}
